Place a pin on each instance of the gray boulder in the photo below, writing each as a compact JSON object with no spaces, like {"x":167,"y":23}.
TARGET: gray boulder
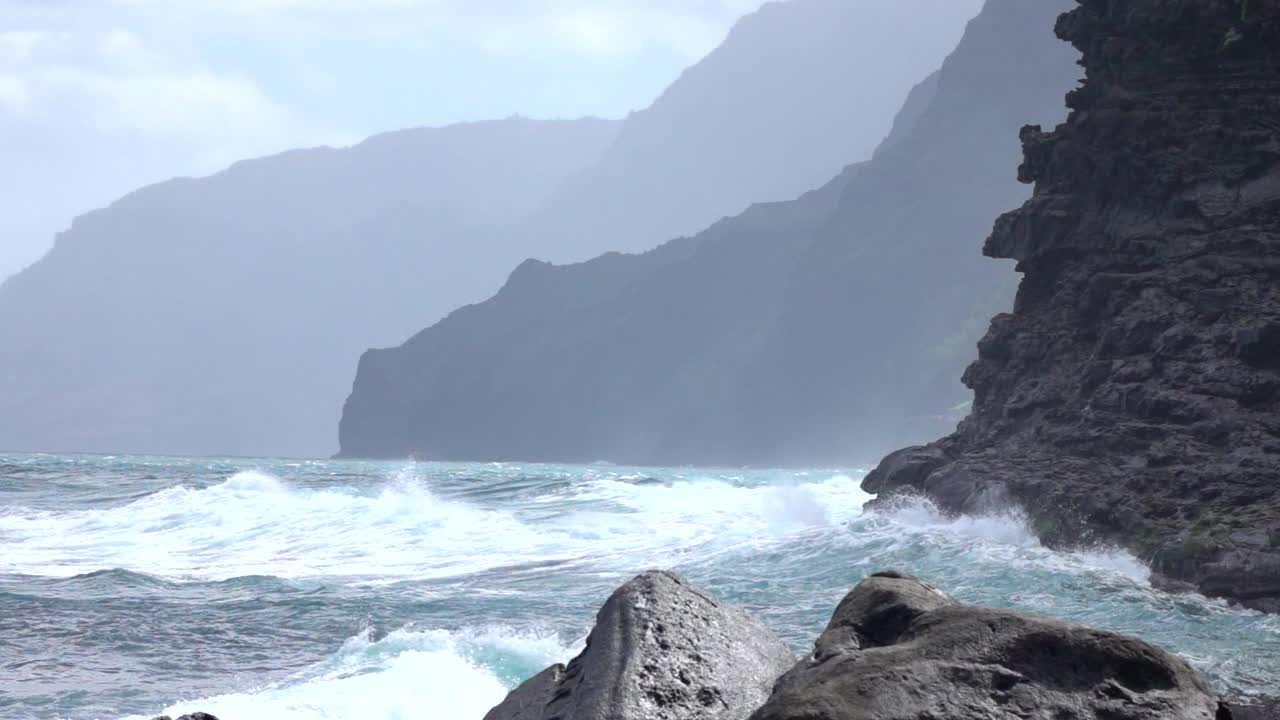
{"x":1252,"y":708}
{"x":898,"y":649}
{"x":660,"y":650}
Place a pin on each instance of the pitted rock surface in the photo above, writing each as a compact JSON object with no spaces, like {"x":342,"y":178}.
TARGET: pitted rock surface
{"x":908,"y":652}
{"x":1133,"y":394}
{"x":660,"y":650}
{"x":1256,"y":708}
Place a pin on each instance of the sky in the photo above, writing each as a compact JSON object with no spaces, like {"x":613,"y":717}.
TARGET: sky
{"x":100,"y":97}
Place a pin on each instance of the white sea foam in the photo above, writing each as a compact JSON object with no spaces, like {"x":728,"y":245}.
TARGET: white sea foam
{"x":596,"y":522}
{"x":1003,"y":528}
{"x":1117,"y":561}
{"x":407,"y":674}
{"x":256,"y":524}
{"x":1007,"y":539}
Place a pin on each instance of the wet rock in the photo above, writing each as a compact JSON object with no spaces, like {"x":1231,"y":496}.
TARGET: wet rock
{"x":1259,"y":343}
{"x":1254,"y":708}
{"x":529,"y":700}
{"x":1133,"y":394}
{"x":886,"y":604}
{"x":660,"y":650}
{"x":898,"y":649}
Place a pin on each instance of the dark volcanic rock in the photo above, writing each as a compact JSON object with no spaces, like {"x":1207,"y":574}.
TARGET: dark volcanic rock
{"x":1261,"y":708}
{"x":1132,"y":394}
{"x":532,"y":697}
{"x":660,"y":650}
{"x":897,"y":649}
{"x":192,"y":716}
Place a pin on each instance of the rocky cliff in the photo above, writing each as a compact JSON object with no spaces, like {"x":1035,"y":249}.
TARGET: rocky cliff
{"x":819,"y":330}
{"x":1132,"y":395}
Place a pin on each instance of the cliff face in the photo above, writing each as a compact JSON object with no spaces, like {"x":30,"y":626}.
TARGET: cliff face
{"x":802,"y":332}
{"x":1133,"y":393}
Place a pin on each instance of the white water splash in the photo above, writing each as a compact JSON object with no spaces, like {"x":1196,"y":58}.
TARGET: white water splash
{"x":1006,"y":538}
{"x":407,"y":674}
{"x":256,"y":524}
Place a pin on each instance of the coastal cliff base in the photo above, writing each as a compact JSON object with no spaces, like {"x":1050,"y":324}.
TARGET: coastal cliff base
{"x":1131,"y":396}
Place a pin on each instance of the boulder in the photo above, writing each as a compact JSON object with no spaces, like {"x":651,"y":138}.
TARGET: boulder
{"x":899,"y":649}
{"x":529,"y":700}
{"x":1252,"y":708}
{"x":660,"y":650}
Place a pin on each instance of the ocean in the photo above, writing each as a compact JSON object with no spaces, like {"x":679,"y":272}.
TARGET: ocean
{"x":282,"y":590}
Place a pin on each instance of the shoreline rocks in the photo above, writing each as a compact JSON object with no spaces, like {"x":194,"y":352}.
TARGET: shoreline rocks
{"x":899,"y":649}
{"x":896,"y":649}
{"x":660,"y":650}
{"x":1256,"y":708}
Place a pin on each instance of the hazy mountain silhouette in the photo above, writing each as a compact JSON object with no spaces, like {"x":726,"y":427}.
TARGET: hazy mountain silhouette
{"x":797,"y":91}
{"x":226,"y":315}
{"x":818,"y":330}
{"x":221,"y":315}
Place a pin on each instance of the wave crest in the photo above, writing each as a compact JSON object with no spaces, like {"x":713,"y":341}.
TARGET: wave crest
{"x":254,"y":523}
{"x":408,"y":673}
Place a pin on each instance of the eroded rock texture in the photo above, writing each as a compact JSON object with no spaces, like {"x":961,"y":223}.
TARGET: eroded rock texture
{"x":661,"y":650}
{"x":1134,"y":393}
{"x":1261,"y":708}
{"x":897,"y":649}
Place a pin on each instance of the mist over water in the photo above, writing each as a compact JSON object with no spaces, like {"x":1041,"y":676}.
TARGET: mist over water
{"x":267,"y":589}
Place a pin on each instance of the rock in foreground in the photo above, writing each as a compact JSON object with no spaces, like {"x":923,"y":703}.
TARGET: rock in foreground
{"x":897,"y":649}
{"x":661,"y":650}
{"x":1260,"y":708}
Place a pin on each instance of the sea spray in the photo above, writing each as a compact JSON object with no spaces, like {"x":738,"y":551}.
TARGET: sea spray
{"x":255,"y":523}
{"x":406,"y":674}
{"x":251,"y":587}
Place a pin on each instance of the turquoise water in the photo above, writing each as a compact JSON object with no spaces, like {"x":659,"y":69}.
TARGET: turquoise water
{"x":282,"y":590}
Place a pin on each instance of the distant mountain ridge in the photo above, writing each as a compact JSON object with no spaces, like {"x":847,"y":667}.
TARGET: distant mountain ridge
{"x":798,"y":90}
{"x":225,"y":315}
{"x":217,"y":315}
{"x":807,"y":332}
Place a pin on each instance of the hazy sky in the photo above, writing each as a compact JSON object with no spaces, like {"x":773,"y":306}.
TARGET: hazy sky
{"x":98,"y":97}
